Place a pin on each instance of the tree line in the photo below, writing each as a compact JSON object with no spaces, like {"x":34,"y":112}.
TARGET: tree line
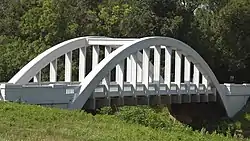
{"x":218,"y":30}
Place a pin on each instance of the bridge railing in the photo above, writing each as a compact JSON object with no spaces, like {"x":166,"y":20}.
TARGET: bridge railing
{"x":158,"y":64}
{"x":52,"y":94}
{"x":106,"y":44}
{"x":159,"y":70}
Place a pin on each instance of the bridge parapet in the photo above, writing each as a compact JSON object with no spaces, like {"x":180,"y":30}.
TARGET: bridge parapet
{"x":61,"y":94}
{"x":52,"y":94}
{"x":238,"y":89}
{"x":236,"y":98}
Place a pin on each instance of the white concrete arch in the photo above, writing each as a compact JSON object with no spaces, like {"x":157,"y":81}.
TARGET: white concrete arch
{"x":95,"y":76}
{"x":35,"y":65}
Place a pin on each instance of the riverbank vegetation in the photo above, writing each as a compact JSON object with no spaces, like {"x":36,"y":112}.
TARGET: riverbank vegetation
{"x":26,"y":122}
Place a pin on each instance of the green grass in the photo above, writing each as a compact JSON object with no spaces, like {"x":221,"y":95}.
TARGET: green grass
{"x":241,"y":121}
{"x":26,"y":122}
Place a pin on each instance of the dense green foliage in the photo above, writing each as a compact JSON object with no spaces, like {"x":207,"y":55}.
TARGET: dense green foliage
{"x":25,"y":122}
{"x":218,"y":30}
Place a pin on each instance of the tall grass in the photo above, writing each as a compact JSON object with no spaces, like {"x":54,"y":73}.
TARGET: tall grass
{"x":26,"y":122}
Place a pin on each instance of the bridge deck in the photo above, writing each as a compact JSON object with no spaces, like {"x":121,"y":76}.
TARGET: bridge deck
{"x":61,"y":94}
{"x":155,"y":95}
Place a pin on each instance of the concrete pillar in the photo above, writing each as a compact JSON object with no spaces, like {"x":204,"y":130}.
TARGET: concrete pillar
{"x":157,"y":64}
{"x":167,"y":71}
{"x":95,"y":56}
{"x":106,"y":79}
{"x":116,"y":73}
{"x":128,"y":69}
{"x":196,"y":77}
{"x":68,"y":66}
{"x":178,"y":68}
{"x":37,"y":77}
{"x":82,"y":63}
{"x":107,"y":51}
{"x":186,"y":70}
{"x":145,"y":67}
{"x":120,"y":70}
{"x":53,"y":71}
{"x":151,"y":76}
{"x":204,"y":81}
{"x":134,"y":61}
{"x":139,"y":68}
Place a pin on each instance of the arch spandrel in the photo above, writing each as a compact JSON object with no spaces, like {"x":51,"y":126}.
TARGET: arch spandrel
{"x":95,"y":76}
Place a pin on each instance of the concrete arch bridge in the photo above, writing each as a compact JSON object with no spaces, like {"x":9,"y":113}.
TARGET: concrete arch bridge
{"x":146,"y":71}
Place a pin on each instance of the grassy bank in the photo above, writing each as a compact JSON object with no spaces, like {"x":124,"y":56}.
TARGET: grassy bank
{"x":241,"y":122}
{"x":26,"y":122}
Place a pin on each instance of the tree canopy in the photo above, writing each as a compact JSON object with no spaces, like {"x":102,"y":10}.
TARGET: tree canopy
{"x":217,"y":30}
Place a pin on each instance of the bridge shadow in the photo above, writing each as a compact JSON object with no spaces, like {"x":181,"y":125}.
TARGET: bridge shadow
{"x":198,"y":115}
{"x":212,"y":117}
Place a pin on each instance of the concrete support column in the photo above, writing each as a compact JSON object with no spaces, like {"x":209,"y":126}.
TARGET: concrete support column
{"x":151,"y":76}
{"x":167,"y":71}
{"x":139,"y":68}
{"x":157,"y":64}
{"x":186,"y":70}
{"x":107,"y":51}
{"x":145,"y":67}
{"x":139,"y":72}
{"x":134,"y":61}
{"x":106,"y":79}
{"x":196,"y":77}
{"x":37,"y":77}
{"x":128,"y":69}
{"x":82,"y":63}
{"x":116,"y":73}
{"x":120,"y":70}
{"x":68,"y":66}
{"x":178,"y":68}
{"x":95,"y":56}
{"x":204,"y":81}
{"x":53,"y":71}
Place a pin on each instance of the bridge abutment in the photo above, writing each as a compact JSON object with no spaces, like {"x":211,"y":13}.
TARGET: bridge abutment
{"x":236,"y":97}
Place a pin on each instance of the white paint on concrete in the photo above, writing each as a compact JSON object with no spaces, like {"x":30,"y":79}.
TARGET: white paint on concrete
{"x":177,"y":68}
{"x":82,"y":63}
{"x":196,"y":77}
{"x":37,"y":77}
{"x":167,"y":70}
{"x":145,"y":67}
{"x":68,"y":67}
{"x":186,"y":70}
{"x":53,"y":71}
{"x":157,"y":64}
{"x":134,"y":61}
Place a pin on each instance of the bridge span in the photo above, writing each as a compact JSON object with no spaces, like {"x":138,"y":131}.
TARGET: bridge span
{"x":122,"y":71}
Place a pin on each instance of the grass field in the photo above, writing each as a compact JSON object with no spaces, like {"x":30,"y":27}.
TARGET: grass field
{"x":26,"y":122}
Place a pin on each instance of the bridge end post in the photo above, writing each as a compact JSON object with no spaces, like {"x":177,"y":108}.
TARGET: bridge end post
{"x":236,"y":98}
{"x":2,"y":92}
